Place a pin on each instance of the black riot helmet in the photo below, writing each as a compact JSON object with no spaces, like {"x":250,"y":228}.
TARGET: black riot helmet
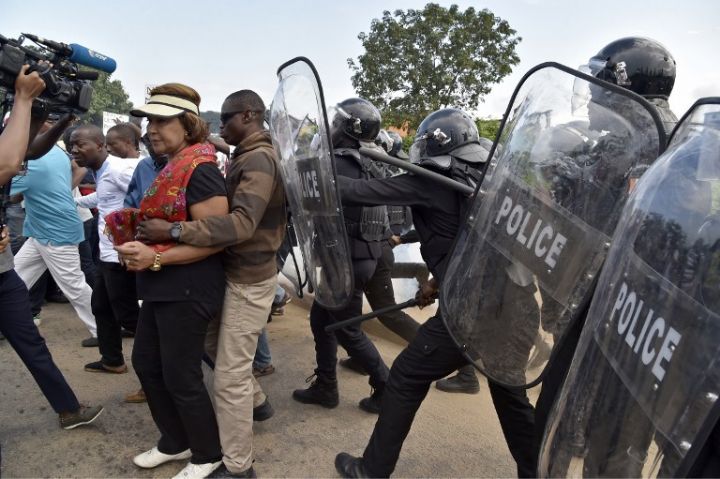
{"x":356,"y":119}
{"x":639,"y":64}
{"x":392,"y":143}
{"x":446,"y":134}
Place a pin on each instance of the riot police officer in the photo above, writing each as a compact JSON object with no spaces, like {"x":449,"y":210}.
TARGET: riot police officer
{"x":379,"y":289}
{"x":447,"y":142}
{"x":617,"y":417}
{"x":647,"y":68}
{"x":356,"y":122}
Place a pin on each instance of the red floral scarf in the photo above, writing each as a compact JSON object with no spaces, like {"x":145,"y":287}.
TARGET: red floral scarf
{"x":165,"y":198}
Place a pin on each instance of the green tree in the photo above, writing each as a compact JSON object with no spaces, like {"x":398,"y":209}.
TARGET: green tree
{"x":109,"y":95}
{"x":418,"y":61}
{"x":488,"y":128}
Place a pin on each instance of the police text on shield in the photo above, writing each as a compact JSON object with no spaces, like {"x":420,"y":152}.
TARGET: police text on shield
{"x":643,"y":331}
{"x":535,"y":234}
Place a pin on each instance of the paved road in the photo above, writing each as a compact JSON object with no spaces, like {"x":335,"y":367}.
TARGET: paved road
{"x":453,"y":435}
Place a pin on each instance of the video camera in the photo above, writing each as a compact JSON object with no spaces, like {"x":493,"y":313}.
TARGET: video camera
{"x":68,"y":89}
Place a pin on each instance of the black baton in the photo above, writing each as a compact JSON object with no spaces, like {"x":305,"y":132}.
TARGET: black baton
{"x":378,"y":155}
{"x":370,"y":315}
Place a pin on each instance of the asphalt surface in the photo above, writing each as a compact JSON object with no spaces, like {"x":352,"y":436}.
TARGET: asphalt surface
{"x":454,"y":435}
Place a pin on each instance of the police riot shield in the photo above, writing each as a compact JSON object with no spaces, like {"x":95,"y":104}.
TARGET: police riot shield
{"x":524,"y":264}
{"x":300,"y":133}
{"x":641,"y":396}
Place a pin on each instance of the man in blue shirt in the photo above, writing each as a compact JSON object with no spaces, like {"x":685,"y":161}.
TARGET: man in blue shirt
{"x":54,"y":231}
{"x":145,"y":173}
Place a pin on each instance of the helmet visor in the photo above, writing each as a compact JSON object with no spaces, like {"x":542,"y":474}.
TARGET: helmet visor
{"x":385,"y":140}
{"x":422,"y":152}
{"x":418,"y":151}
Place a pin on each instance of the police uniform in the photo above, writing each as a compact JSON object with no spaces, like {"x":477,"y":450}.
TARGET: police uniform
{"x":432,"y":354}
{"x":379,"y":289}
{"x":647,"y":68}
{"x":366,"y":229}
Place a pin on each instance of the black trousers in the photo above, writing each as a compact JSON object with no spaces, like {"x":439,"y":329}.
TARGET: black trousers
{"x":114,"y":304}
{"x":351,"y":338}
{"x":430,"y":356}
{"x":16,"y":324}
{"x":168,"y":350}
{"x":380,"y":294}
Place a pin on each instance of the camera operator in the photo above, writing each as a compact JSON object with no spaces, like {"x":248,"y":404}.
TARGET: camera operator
{"x":16,"y":322}
{"x":14,"y":140}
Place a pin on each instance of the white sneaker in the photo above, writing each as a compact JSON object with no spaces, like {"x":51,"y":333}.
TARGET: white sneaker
{"x":197,"y":471}
{"x":154,"y":458}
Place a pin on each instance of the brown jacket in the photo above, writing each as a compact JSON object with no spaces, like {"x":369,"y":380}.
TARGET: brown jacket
{"x":255,"y":227}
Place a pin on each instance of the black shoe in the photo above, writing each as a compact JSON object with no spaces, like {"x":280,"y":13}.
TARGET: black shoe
{"x":263,"y":412}
{"x":372,"y":404}
{"x":222,"y":472}
{"x":350,"y":466}
{"x":58,"y":297}
{"x":353,"y":365}
{"x":100,"y":367}
{"x":90,"y":342}
{"x":126,"y":333}
{"x":322,"y":391}
{"x":464,"y":382}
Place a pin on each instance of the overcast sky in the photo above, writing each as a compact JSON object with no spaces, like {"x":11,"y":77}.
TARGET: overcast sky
{"x":218,"y":47}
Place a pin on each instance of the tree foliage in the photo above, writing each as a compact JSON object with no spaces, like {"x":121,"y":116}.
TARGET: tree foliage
{"x":109,"y":95}
{"x":488,"y":128}
{"x":418,"y":61}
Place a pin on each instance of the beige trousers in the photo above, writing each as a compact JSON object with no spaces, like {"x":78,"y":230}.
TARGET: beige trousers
{"x":231,"y":342}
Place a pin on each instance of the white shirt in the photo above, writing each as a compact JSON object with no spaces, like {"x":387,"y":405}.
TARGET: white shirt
{"x":112,"y":180}
{"x":84,"y":213}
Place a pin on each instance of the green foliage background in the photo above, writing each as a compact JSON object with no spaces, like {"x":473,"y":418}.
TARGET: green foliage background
{"x":109,"y":95}
{"x":418,"y":61}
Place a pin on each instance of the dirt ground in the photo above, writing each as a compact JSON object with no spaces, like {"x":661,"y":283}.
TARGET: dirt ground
{"x":454,"y":435}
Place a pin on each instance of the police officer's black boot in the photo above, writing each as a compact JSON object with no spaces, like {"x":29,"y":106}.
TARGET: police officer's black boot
{"x":350,"y":466}
{"x":322,"y":391}
{"x":372,"y":404}
{"x":464,"y":381}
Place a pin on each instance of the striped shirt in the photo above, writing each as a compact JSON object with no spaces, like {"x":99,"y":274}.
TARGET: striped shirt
{"x":255,"y":227}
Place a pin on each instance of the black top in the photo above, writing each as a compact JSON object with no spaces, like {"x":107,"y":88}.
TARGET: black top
{"x":435,"y":210}
{"x":202,"y":281}
{"x":347,"y":166}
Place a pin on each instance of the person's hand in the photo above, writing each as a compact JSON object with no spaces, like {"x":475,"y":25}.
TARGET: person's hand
{"x":135,"y":256}
{"x":4,"y":238}
{"x":68,"y":119}
{"x":395,"y":240}
{"x":28,"y":87}
{"x":154,"y":231}
{"x":219,"y":145}
{"x":427,"y":293}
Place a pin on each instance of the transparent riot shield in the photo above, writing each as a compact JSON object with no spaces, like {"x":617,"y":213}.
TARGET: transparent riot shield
{"x":525,"y":262}
{"x":300,"y":133}
{"x":641,"y":395}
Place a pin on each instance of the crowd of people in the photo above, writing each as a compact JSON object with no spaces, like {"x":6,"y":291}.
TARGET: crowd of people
{"x":187,"y":257}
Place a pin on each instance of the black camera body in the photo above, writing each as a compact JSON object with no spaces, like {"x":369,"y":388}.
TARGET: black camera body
{"x":67,"y":88}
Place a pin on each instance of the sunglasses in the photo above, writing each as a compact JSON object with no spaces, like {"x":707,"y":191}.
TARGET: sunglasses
{"x":226,"y":117}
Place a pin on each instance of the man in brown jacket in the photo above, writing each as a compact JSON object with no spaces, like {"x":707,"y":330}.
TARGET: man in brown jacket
{"x":252,"y":234}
